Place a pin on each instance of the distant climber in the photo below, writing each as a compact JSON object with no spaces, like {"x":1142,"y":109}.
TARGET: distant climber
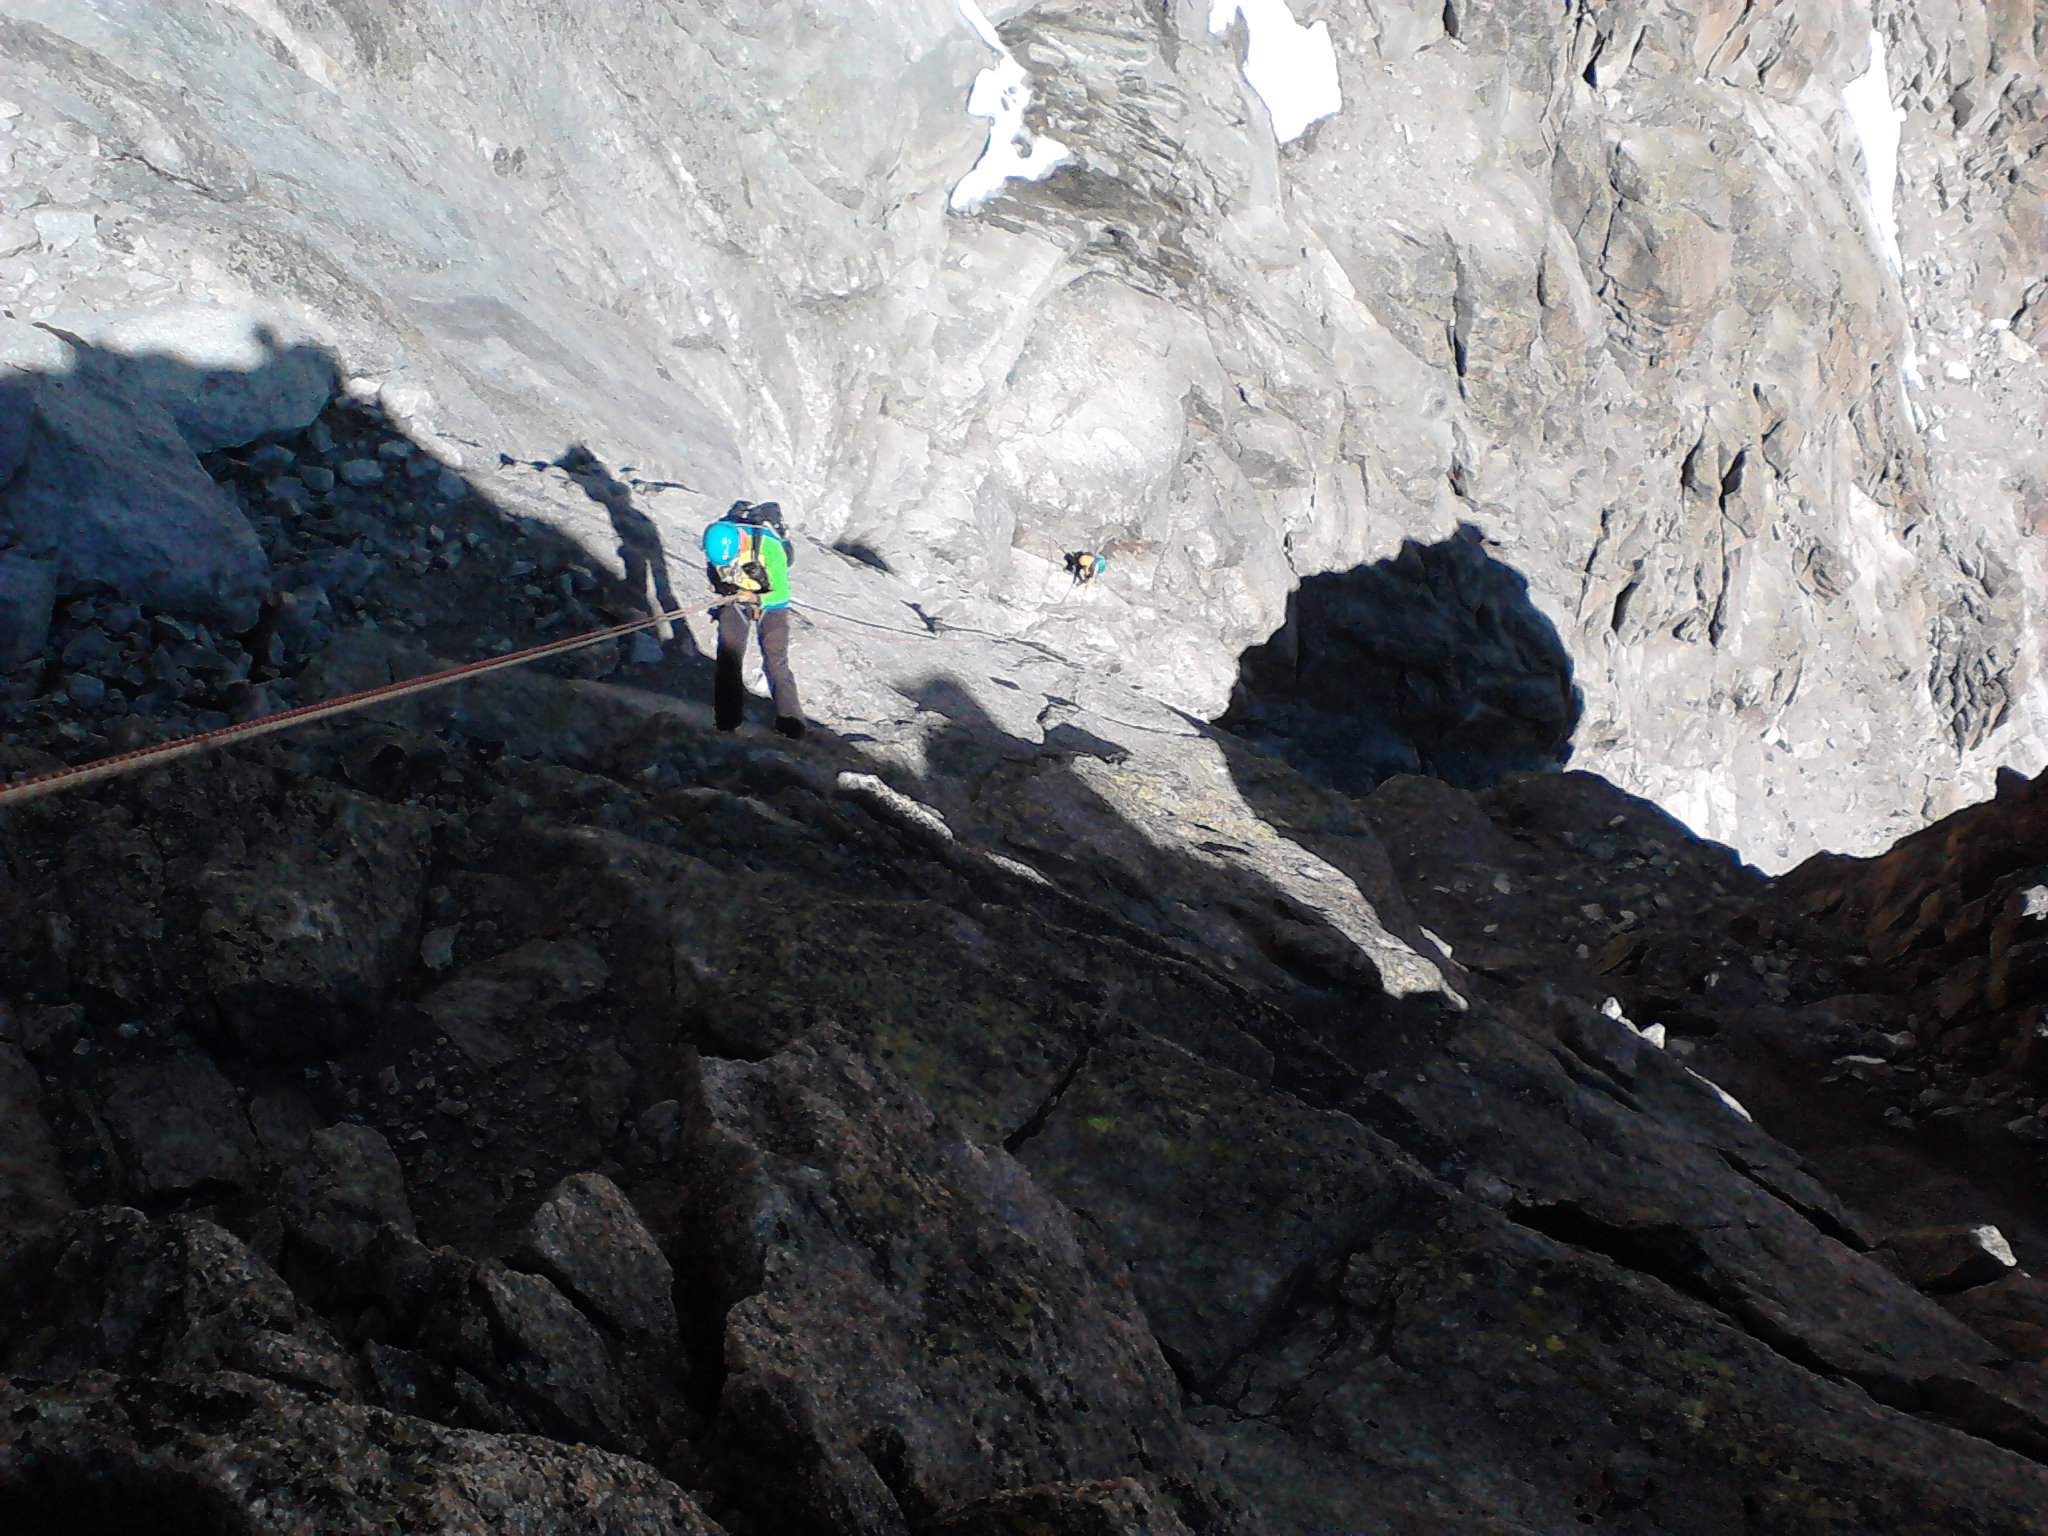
{"x":747,"y":557}
{"x":1084,"y":566}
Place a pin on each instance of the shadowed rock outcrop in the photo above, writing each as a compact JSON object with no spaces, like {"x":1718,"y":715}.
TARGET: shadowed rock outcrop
{"x":1433,"y":662}
{"x":105,"y":1454}
{"x":106,"y":487}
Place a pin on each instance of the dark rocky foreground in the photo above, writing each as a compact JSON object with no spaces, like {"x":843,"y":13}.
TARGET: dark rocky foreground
{"x":527,"y":1110}
{"x":1025,"y":1108}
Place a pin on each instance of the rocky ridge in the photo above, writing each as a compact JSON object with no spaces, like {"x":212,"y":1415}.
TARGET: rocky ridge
{"x":526,"y":1104}
{"x":1025,"y":1106}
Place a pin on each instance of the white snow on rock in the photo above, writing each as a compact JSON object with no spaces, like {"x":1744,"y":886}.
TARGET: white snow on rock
{"x":1292,"y":67}
{"x":1002,"y":93}
{"x":1868,"y":101}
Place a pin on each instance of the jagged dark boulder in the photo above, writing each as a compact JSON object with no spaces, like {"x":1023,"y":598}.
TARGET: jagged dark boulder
{"x":587,"y":1237}
{"x":116,"y":1452}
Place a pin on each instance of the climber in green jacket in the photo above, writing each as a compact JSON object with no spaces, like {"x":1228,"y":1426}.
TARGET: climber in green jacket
{"x":747,"y":556}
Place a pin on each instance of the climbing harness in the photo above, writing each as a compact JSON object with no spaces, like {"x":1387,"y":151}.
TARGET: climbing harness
{"x":169,"y":751}
{"x":736,"y":555}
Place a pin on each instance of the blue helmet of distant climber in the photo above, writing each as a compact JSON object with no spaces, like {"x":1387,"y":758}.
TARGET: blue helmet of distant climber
{"x":1085,"y":565}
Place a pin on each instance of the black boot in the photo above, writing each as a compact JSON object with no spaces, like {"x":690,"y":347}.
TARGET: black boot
{"x":791,"y":726}
{"x":729,"y":694}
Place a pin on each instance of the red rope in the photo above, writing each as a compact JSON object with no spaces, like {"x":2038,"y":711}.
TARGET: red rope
{"x":149,"y":757}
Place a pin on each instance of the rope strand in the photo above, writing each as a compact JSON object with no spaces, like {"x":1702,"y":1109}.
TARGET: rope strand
{"x":60,"y":779}
{"x":169,"y":751}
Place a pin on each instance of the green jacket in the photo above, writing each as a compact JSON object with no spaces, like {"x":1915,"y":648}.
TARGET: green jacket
{"x":748,"y":557}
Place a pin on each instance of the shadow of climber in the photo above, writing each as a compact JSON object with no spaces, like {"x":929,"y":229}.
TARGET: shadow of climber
{"x":640,"y":545}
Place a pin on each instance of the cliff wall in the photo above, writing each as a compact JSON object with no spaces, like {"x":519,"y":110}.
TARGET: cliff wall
{"x":1607,"y":282}
{"x":1166,"y":1054}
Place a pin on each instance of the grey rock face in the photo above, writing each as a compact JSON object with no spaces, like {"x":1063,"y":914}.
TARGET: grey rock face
{"x":1952,"y":1258}
{"x":557,"y":1355}
{"x":109,"y":490}
{"x":484,"y":1007}
{"x":1288,"y":1156}
{"x":114,"y":1291}
{"x":33,"y":1196}
{"x":1433,"y":662}
{"x":105,"y":490}
{"x":2012,"y":1312}
{"x":1113,"y":1507}
{"x":1131,"y":1114}
{"x":298,"y":911}
{"x":1639,"y":325}
{"x":308,"y":1458}
{"x":1185,"y":1146}
{"x":588,"y":1238}
{"x":840,"y":1330}
{"x":17,"y":416}
{"x":179,"y":1122}
{"x":301,"y":935}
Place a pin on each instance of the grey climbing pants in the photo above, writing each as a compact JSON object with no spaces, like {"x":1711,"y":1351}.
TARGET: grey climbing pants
{"x":729,"y":702}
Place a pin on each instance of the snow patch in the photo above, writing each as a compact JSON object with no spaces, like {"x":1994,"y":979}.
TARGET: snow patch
{"x":1002,"y":94}
{"x":1292,"y":67}
{"x":1868,"y":101}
